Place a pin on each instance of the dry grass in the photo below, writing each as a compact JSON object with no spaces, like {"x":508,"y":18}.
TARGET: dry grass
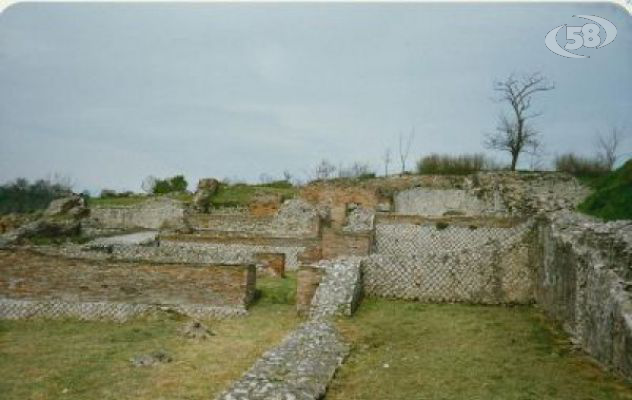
{"x":89,"y":360}
{"x":415,"y":351}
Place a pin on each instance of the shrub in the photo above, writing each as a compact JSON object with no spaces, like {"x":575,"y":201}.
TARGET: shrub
{"x":452,"y":165}
{"x":579,"y":165}
{"x":169,"y":185}
{"x":23,"y":197}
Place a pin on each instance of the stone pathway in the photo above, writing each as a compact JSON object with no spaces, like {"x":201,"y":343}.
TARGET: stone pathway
{"x":301,"y":367}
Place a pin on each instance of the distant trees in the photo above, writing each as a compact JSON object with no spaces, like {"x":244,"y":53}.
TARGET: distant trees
{"x":21,"y":196}
{"x":514,"y":133}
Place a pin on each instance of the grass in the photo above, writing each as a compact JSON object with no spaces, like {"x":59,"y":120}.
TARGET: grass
{"x":240,"y":195}
{"x":612,"y":196}
{"x":44,"y":359}
{"x":122,"y":201}
{"x":415,"y":351}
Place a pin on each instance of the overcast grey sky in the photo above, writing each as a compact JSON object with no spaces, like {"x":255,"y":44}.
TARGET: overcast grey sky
{"x":110,"y":93}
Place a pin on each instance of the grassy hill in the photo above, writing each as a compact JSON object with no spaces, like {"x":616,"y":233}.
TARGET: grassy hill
{"x":612,"y":198}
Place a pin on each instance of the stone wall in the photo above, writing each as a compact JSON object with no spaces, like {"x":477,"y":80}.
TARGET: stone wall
{"x":295,"y":219}
{"x":583,"y":281}
{"x":151,"y":214}
{"x":438,"y":202}
{"x":447,"y":260}
{"x":32,"y":279}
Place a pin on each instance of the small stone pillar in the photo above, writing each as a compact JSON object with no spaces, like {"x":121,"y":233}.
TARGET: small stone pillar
{"x":307,"y":281}
{"x":272,"y":264}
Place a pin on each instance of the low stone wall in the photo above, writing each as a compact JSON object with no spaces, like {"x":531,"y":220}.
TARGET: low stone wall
{"x":442,"y":262}
{"x":38,"y":285}
{"x":583,"y":281}
{"x":150,"y":214}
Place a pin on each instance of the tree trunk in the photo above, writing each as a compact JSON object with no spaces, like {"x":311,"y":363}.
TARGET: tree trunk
{"x":514,"y":161}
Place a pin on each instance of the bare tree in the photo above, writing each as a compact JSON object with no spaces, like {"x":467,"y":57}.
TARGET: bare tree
{"x":387,"y":158}
{"x":536,"y":151}
{"x":404,"y":147}
{"x":287,"y":175}
{"x":148,"y":184}
{"x":324,"y":170}
{"x":265,"y":178}
{"x":514,"y":134}
{"x":608,"y":146}
{"x":356,"y":170}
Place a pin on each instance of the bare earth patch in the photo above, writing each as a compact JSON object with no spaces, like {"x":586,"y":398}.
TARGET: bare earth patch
{"x":415,"y":351}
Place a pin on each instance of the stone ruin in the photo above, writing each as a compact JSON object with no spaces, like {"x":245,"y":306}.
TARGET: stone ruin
{"x":488,"y":238}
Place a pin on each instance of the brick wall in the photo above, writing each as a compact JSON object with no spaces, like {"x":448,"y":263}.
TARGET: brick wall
{"x":29,"y":276}
{"x":337,"y":243}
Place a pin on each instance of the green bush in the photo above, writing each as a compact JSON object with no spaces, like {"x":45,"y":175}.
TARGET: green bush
{"x":452,"y":165}
{"x":170,"y":185}
{"x":612,"y":198}
{"x":24,"y":197}
{"x":579,"y":165}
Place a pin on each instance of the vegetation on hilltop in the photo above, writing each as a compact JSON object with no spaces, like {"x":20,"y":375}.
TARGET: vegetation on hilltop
{"x":445,"y":164}
{"x":580,"y":166}
{"x":241,"y":194}
{"x":612,"y":198}
{"x":22,"y":196}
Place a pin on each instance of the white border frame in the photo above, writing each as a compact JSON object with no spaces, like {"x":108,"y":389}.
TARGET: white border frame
{"x":625,"y":4}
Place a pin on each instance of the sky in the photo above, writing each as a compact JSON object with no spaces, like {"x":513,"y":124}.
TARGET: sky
{"x":107,"y":94}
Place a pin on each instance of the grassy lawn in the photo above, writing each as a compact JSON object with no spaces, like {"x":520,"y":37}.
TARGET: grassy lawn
{"x":414,"y":351}
{"x":89,"y":360}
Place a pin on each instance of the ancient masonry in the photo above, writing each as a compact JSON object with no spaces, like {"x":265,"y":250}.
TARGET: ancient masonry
{"x":488,"y":238}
